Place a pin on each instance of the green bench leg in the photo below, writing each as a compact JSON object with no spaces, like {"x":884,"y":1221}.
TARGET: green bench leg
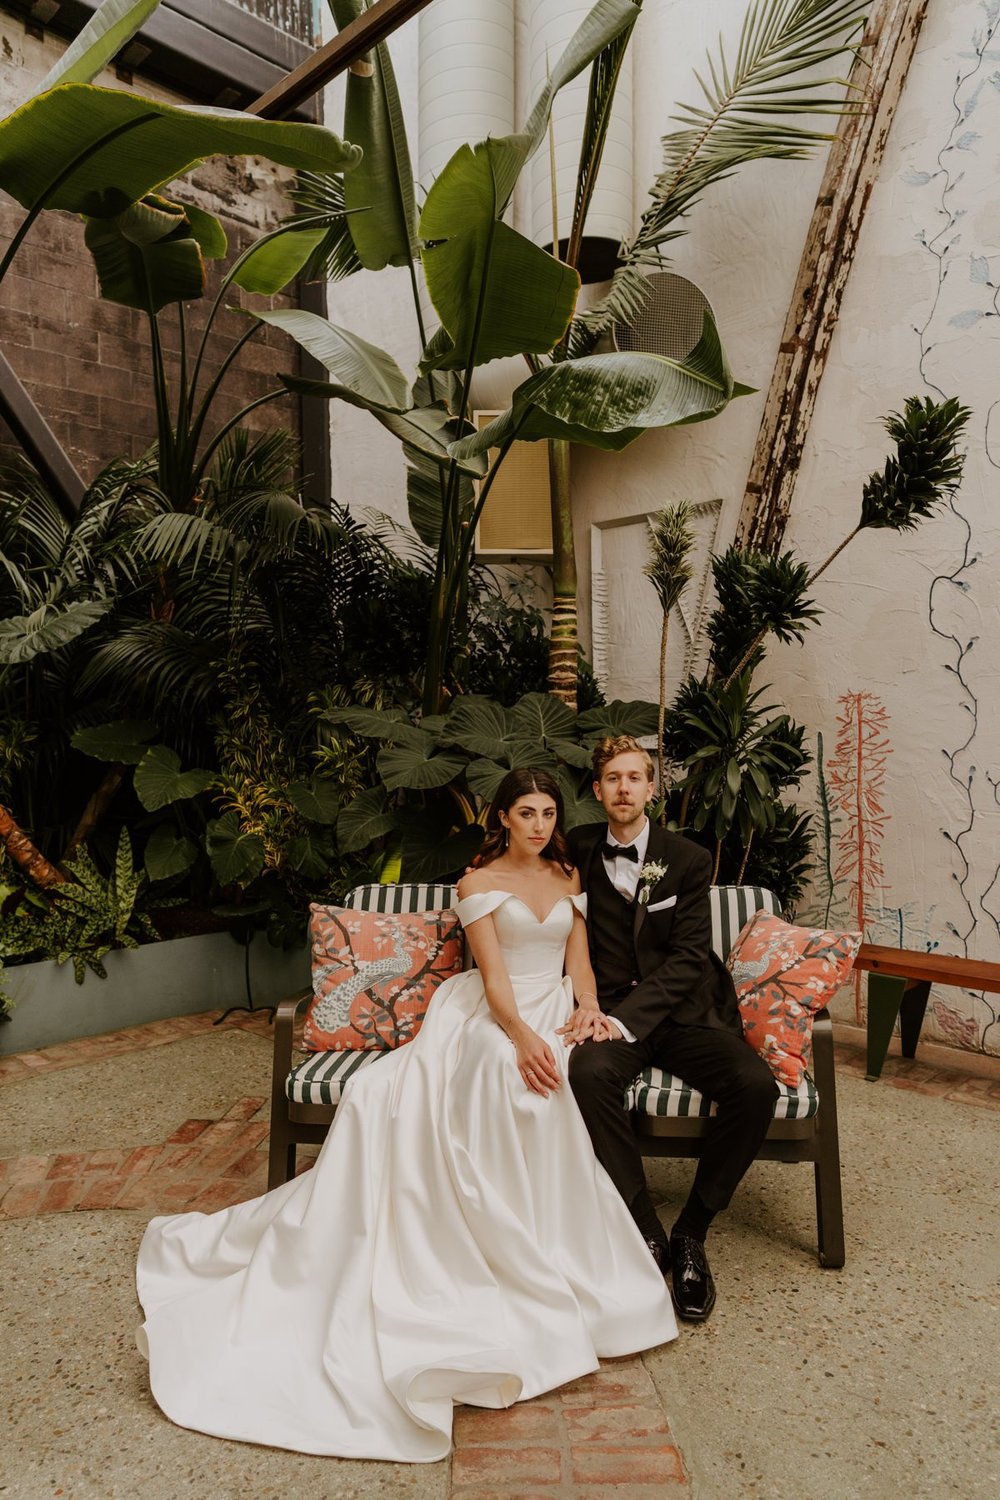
{"x":911,"y":1015}
{"x":885,"y":996}
{"x":888,"y":998}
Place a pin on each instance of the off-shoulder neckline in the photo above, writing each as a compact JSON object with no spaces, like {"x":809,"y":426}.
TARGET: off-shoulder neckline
{"x":510,"y":896}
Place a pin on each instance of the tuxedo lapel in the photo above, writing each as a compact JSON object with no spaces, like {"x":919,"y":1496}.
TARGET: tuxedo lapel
{"x":655,"y":848}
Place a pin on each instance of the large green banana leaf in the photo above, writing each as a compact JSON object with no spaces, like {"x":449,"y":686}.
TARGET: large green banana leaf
{"x":105,"y":34}
{"x":379,"y":195}
{"x":495,"y":292}
{"x":276,"y":260}
{"x":148,"y":256}
{"x":94,"y":151}
{"x":608,"y":400}
{"x":363,"y":374}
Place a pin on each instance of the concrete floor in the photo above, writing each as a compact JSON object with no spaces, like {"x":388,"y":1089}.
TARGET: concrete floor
{"x":876,"y":1381}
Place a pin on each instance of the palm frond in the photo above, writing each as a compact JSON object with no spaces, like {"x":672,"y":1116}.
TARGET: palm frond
{"x":177,"y":540}
{"x":156,"y":668}
{"x":778,"y":72}
{"x":783,"y":45}
{"x":33,"y":528}
{"x":320,"y":199}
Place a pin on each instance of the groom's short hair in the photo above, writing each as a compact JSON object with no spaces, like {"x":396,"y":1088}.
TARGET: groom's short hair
{"x":619,"y":744}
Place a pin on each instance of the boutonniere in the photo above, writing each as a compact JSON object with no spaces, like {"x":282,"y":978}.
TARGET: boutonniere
{"x":649,"y":875}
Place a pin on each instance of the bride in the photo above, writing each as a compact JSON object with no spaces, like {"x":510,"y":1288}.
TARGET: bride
{"x":456,"y":1241}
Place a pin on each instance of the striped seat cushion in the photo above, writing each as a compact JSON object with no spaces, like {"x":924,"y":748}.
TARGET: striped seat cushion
{"x":400,"y":898}
{"x":320,"y":1079}
{"x":732,"y":907}
{"x":657,"y":1093}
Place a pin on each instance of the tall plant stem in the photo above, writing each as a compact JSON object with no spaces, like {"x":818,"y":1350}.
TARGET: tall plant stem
{"x":563,"y":639}
{"x":718,"y":861}
{"x":661,"y":764}
{"x":201,"y":415}
{"x":227,"y":428}
{"x":835,"y":553}
{"x":743,"y":861}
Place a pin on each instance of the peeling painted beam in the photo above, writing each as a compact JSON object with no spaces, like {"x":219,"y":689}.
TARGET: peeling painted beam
{"x":879,"y":75}
{"x":371,"y":27}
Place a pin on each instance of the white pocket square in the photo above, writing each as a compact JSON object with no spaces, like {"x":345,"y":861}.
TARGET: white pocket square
{"x":662,"y":905}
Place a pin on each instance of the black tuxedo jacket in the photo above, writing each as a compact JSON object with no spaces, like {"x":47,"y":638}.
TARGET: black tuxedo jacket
{"x":681,"y":978}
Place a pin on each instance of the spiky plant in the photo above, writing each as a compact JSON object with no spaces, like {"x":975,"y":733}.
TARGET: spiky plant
{"x":925,"y":469}
{"x":777,"y":603}
{"x":669,"y":570}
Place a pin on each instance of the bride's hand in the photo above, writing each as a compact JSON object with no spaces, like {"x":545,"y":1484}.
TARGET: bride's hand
{"x":535,"y":1061}
{"x":587,"y":1021}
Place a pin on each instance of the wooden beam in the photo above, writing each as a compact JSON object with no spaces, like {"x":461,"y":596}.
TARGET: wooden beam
{"x":878,"y":75}
{"x":363,"y":33}
{"x":932,"y":968}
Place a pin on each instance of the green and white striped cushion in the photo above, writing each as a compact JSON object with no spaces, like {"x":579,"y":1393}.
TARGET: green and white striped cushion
{"x":657,"y":1093}
{"x":401,"y":898}
{"x":321,"y":1078}
{"x":732,"y":906}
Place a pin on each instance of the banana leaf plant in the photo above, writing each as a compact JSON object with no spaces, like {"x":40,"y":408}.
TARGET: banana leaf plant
{"x":438,"y":775}
{"x":106,"y":155}
{"x":496,"y":294}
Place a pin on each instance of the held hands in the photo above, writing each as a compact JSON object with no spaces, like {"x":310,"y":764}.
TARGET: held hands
{"x":535,"y":1061}
{"x":588,"y":1020}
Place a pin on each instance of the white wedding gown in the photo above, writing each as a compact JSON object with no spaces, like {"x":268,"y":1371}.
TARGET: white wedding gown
{"x":456,"y":1241}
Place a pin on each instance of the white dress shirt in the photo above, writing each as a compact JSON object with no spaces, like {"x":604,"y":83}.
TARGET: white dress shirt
{"x":624,"y":876}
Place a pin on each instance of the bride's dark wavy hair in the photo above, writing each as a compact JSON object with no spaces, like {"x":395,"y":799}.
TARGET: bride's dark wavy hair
{"x":517,"y":784}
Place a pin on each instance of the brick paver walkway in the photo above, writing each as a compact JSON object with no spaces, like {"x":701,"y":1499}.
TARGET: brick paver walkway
{"x":598,"y":1437}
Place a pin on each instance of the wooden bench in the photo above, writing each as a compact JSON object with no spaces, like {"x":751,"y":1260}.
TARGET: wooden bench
{"x":899,"y":983}
{"x":669,"y":1117}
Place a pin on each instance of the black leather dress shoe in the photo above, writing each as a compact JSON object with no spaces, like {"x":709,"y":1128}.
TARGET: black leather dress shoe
{"x":660,"y":1251}
{"x":693,"y":1287}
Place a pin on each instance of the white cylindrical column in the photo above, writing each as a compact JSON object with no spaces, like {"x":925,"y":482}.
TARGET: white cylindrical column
{"x":551,"y":24}
{"x":466,"y":81}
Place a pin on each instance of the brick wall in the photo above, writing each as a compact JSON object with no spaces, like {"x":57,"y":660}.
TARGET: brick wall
{"x":86,"y":362}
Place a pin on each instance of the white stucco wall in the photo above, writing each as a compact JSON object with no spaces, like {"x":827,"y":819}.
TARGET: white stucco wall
{"x":920,"y":317}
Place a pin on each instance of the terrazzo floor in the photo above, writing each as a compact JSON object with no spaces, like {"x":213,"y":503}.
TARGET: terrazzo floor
{"x":876,"y":1381}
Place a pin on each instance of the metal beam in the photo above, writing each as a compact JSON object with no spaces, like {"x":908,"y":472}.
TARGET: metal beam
{"x":373,"y":26}
{"x":39,"y":441}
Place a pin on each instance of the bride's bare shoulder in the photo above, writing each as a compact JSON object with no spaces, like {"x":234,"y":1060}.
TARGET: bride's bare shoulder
{"x":474,"y":882}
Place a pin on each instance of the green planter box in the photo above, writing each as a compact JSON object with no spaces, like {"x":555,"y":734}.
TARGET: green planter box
{"x":175,"y":978}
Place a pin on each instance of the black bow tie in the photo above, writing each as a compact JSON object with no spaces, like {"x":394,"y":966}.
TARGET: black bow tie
{"x":621,"y":851}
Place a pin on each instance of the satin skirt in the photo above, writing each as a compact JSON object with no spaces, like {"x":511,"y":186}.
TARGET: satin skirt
{"x":456,"y":1241}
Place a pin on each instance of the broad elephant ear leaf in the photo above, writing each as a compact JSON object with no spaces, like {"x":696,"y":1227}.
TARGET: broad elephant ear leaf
{"x":113,"y":24}
{"x":125,"y":740}
{"x":539,"y":718}
{"x":611,"y":719}
{"x":236,"y":856}
{"x":367,"y":818}
{"x":159,"y":779}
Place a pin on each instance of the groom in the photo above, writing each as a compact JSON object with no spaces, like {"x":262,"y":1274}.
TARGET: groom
{"x":669,"y":1001}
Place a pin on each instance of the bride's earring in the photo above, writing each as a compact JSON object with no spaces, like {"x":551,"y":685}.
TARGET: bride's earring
{"x":506,"y":836}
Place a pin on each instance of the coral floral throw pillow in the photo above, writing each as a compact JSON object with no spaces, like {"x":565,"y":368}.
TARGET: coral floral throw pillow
{"x":783,"y":976}
{"x":374,"y":973}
